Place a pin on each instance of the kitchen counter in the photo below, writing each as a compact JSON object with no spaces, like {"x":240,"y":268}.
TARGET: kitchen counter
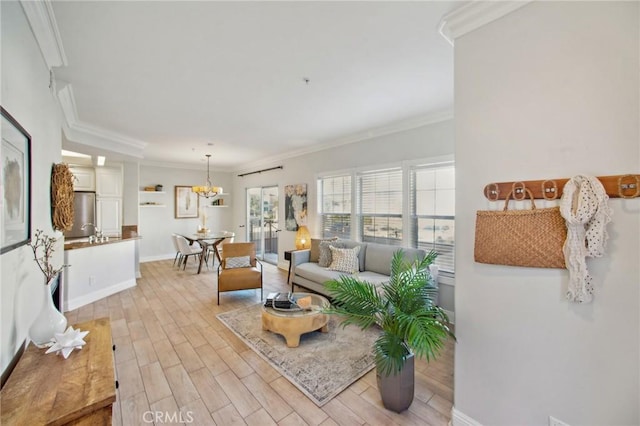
{"x":84,"y":242}
{"x":97,"y":270}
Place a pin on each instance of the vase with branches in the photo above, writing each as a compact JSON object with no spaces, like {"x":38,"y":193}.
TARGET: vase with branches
{"x":50,"y":320}
{"x":405,"y":311}
{"x":43,"y":247}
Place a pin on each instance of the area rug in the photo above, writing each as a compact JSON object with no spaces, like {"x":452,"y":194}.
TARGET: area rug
{"x":322,"y":366}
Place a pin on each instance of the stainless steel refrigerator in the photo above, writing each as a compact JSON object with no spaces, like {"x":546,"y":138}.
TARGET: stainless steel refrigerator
{"x":84,"y":211}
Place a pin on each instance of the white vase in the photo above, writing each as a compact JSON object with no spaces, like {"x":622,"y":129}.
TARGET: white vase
{"x":49,"y":322}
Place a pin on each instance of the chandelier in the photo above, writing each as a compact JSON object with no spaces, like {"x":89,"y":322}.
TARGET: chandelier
{"x":207,"y":190}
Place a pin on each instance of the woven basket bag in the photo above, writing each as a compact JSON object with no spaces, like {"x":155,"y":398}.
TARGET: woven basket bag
{"x":532,"y":238}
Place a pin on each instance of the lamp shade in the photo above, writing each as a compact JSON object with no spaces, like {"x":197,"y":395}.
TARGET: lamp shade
{"x":303,"y":238}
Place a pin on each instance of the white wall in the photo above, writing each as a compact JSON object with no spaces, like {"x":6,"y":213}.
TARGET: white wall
{"x":548,"y":91}
{"x":26,"y":96}
{"x":156,"y":224}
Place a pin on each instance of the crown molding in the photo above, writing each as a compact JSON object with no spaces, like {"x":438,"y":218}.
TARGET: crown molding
{"x":86,"y":134}
{"x":45,"y":29}
{"x":474,"y":15}
{"x":397,"y":127}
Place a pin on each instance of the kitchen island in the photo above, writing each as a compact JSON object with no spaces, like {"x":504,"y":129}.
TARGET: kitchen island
{"x":97,"y":270}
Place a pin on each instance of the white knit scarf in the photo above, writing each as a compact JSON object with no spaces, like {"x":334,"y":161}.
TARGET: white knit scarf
{"x":584,"y":207}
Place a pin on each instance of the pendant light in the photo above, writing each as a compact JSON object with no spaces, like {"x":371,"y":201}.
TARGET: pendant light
{"x":207,"y":190}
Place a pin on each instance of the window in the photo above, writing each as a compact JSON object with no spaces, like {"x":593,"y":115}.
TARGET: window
{"x":380,"y":206}
{"x":432,"y":211}
{"x":335,"y":206}
{"x":412,"y":205}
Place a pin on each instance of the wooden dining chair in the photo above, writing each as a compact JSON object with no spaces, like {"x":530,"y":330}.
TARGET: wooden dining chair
{"x":239,"y":269}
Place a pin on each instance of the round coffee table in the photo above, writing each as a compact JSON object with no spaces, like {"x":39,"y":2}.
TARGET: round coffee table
{"x":292,"y":324}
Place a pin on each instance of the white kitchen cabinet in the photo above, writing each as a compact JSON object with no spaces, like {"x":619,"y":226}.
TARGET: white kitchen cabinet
{"x":109,"y":215}
{"x":84,"y":178}
{"x":108,"y":182}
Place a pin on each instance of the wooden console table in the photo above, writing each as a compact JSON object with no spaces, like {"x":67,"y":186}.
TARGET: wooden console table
{"x":46,"y":389}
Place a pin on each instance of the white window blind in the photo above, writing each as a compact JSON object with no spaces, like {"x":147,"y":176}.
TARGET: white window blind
{"x":432,"y":207}
{"x":335,"y":206}
{"x":380,"y":206}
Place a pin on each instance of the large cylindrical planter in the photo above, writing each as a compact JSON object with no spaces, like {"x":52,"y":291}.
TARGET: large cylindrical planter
{"x":49,"y":322}
{"x":396,"y":390}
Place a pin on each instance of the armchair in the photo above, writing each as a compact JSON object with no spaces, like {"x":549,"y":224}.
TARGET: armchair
{"x":239,"y":269}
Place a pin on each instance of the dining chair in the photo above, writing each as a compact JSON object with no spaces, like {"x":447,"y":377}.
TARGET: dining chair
{"x":187,"y":250}
{"x":239,"y":269}
{"x":178,"y":257}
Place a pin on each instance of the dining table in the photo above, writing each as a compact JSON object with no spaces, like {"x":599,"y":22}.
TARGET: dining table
{"x":209,"y":241}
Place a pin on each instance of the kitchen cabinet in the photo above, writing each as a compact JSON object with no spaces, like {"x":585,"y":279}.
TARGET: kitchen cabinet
{"x":108,"y":182}
{"x":109,"y":215}
{"x":84,"y":178}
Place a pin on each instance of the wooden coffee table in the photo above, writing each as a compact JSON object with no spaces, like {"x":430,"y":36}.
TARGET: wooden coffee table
{"x":292,"y":324}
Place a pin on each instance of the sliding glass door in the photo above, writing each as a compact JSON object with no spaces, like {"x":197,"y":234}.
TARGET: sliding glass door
{"x":262,"y":226}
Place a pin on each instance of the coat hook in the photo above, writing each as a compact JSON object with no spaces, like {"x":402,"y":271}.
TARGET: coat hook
{"x":518,"y":191}
{"x":549,"y":192}
{"x":622,"y":187}
{"x":492,"y":192}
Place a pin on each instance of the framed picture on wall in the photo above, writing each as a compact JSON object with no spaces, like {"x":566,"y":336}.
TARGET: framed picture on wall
{"x":186,"y":203}
{"x":295,"y":206}
{"x":15,"y":154}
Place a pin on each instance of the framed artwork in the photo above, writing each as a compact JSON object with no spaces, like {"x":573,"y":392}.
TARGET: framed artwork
{"x":295,"y":206}
{"x":15,"y":181}
{"x":187,"y":203}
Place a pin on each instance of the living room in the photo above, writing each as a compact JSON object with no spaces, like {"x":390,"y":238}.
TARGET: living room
{"x":548,"y":90}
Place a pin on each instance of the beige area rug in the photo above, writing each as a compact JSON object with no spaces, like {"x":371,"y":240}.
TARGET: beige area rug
{"x":322,"y":366}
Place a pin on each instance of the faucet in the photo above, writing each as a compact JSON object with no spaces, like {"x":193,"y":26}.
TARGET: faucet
{"x":97,"y":232}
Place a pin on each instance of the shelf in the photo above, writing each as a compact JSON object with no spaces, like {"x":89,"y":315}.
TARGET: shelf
{"x":216,"y":207}
{"x":152,"y":192}
{"x":153,"y":205}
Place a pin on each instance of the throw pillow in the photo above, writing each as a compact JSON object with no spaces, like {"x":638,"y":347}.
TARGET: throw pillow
{"x":238,"y":262}
{"x":325,"y":253}
{"x":314,"y":254}
{"x":344,"y":260}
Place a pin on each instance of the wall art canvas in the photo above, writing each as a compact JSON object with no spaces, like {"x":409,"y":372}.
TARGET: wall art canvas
{"x":295,"y":206}
{"x":187,"y":203}
{"x":15,"y":181}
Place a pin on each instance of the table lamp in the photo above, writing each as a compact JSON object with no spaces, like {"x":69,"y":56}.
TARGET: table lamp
{"x":303,"y":238}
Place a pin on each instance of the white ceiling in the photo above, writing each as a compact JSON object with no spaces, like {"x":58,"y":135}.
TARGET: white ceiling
{"x":181,"y":75}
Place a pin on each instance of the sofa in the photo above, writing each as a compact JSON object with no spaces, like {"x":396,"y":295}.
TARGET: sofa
{"x":309,"y":270}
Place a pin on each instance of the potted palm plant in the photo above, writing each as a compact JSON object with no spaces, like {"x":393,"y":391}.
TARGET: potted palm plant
{"x":412,"y":325}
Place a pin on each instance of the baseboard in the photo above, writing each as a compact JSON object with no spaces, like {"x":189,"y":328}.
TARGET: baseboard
{"x":460,"y":419}
{"x":97,"y":295}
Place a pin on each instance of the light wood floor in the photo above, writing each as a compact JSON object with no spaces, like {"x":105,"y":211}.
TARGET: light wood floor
{"x":174,"y":357}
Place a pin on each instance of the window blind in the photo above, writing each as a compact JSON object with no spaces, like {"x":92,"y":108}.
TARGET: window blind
{"x":380,"y":206}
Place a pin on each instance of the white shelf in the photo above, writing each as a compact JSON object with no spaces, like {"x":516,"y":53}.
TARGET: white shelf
{"x":153,"y":205}
{"x":216,"y":207}
{"x":152,"y":192}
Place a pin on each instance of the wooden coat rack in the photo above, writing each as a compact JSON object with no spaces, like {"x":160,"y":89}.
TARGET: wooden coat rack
{"x":619,"y":186}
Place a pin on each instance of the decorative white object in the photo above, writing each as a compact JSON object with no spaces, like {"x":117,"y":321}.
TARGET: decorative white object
{"x":584,"y":207}
{"x":65,"y":343}
{"x":48,"y":322}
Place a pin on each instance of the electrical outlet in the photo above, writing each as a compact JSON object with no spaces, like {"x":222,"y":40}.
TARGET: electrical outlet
{"x":92,"y":280}
{"x":555,"y":422}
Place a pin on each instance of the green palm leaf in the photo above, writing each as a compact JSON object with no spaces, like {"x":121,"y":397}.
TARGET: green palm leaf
{"x":404,"y":308}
